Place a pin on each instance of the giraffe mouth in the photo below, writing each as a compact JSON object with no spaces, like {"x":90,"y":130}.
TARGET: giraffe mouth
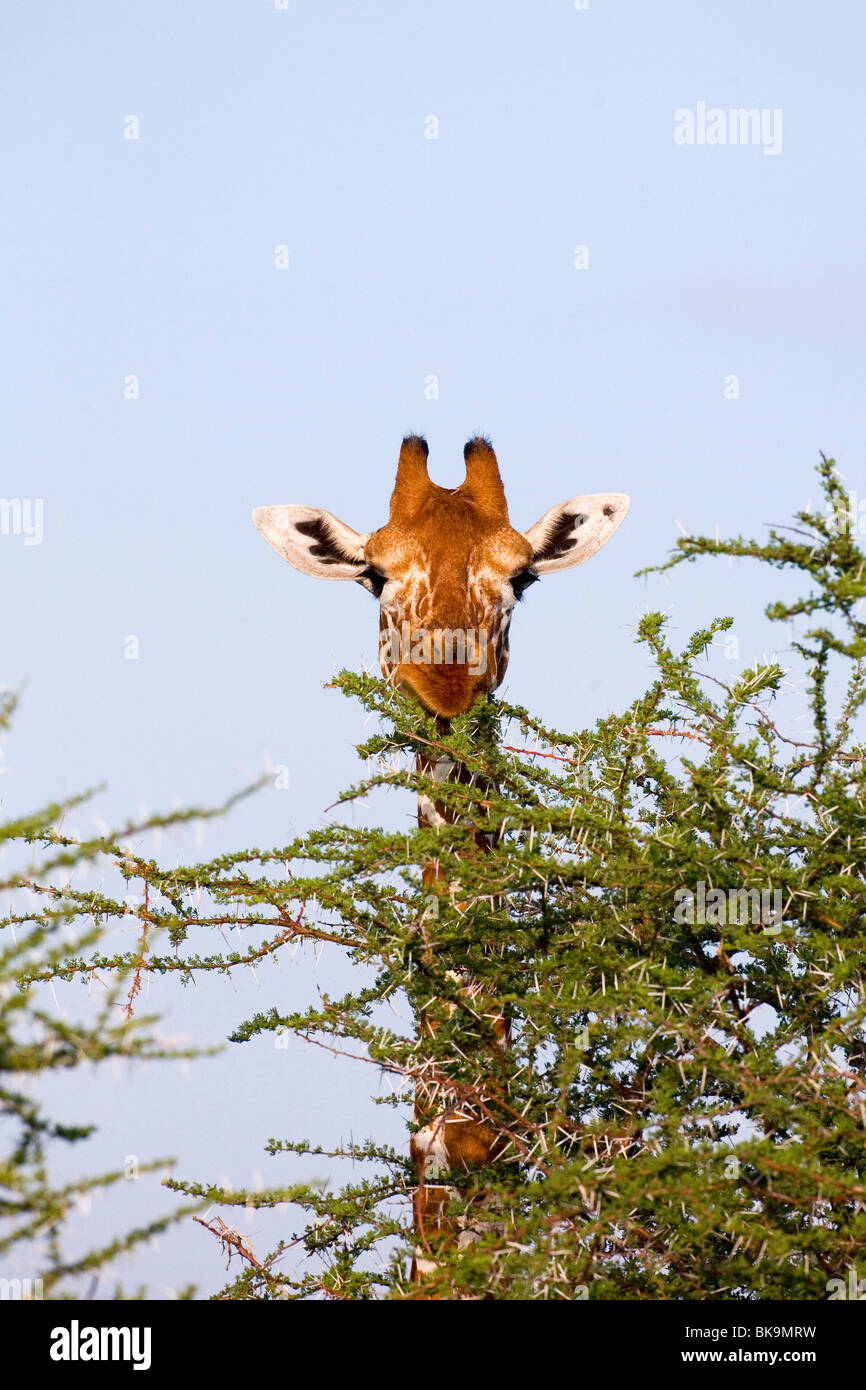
{"x":445,"y":668}
{"x":443,"y":690}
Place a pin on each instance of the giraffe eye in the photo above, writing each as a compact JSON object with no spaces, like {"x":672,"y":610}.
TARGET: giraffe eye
{"x":372,"y":580}
{"x":521,"y":581}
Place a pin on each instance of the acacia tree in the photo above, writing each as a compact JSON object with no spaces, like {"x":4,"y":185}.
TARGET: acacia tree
{"x":673,"y":917}
{"x":51,"y":929}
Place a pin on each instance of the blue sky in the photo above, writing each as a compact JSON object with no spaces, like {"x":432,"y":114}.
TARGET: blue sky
{"x":408,"y":257}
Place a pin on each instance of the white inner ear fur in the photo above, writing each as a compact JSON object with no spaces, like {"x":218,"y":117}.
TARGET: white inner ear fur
{"x":313,"y":540}
{"x":588,"y":522}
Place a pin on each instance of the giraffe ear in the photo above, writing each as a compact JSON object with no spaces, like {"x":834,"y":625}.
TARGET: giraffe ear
{"x":314,"y":541}
{"x":568,"y":534}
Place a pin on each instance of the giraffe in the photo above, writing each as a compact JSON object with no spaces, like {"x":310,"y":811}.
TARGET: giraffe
{"x":447,"y":569}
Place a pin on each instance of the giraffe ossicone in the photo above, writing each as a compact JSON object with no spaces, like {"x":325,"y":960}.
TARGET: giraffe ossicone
{"x":447,"y":569}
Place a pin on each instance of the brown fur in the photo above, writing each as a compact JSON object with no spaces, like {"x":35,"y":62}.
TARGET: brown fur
{"x":447,"y":553}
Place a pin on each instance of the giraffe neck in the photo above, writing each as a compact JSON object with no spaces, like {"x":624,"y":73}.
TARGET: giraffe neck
{"x":433,"y":813}
{"x":452,"y":1136}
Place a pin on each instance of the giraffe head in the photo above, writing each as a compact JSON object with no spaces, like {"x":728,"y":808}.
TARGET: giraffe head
{"x":447,"y":568}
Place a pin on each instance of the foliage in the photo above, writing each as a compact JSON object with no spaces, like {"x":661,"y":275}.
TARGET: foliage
{"x":53,"y":931}
{"x":682,"y":1111}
